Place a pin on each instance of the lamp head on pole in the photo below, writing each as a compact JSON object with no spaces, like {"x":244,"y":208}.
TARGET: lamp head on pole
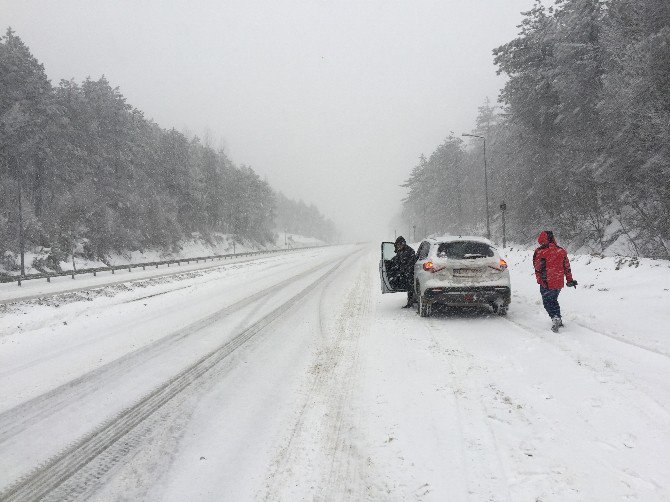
{"x":473,"y":136}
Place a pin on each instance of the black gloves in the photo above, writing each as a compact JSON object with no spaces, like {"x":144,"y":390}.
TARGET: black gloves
{"x":572,"y":284}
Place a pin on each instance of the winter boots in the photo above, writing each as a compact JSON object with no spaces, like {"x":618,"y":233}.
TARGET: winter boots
{"x":556,"y":322}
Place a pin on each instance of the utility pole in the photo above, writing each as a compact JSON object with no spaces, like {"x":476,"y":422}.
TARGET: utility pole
{"x":414,"y":227}
{"x":72,"y":250}
{"x":503,"y":208}
{"x":425,"y":225}
{"x":22,"y":250}
{"x":486,"y":185}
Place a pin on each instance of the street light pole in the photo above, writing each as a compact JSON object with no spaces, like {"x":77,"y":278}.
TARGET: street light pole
{"x":503,"y":208}
{"x":486,"y":185}
{"x":486,"y":194}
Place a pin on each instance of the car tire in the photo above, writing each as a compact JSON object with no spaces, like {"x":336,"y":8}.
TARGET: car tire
{"x":424,"y":308}
{"x":501,"y":310}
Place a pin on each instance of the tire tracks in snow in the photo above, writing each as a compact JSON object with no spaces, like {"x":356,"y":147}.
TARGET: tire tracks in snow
{"x":607,"y":335}
{"x":124,"y":324}
{"x":623,"y":340}
{"x":112,"y":289}
{"x":149,"y":450}
{"x":346,"y":473}
{"x":116,"y":433}
{"x":480,"y":450}
{"x":322,"y":434}
{"x":15,"y":420}
{"x":175,"y":273}
{"x":586,"y":361}
{"x":527,"y":429}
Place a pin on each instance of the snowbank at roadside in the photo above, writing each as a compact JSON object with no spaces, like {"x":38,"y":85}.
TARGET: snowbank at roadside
{"x":621,"y":297}
{"x":218,"y":244}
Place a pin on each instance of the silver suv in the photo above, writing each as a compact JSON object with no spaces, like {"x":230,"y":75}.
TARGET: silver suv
{"x":456,"y":272}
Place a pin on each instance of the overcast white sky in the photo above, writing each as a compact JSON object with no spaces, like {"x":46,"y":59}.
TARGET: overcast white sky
{"x":332,"y":101}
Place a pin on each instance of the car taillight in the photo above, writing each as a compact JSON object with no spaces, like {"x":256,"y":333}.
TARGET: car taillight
{"x":428,"y":266}
{"x":503,"y":264}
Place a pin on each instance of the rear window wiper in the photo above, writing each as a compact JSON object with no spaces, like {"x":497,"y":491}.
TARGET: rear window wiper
{"x":473,"y":255}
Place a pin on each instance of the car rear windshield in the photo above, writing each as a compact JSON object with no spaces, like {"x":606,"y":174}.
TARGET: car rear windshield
{"x":464,"y":250}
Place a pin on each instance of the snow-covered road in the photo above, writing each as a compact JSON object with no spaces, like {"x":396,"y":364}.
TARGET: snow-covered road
{"x":292,"y":378}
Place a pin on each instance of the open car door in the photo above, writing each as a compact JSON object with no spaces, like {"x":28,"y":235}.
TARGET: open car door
{"x":388,"y":252}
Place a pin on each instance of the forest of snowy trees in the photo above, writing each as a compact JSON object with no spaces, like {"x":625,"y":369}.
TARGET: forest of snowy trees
{"x":302,"y":219}
{"x":580,"y":141}
{"x":91,"y":168}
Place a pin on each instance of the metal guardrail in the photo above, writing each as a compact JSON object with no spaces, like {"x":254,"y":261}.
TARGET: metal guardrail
{"x":156,"y":264}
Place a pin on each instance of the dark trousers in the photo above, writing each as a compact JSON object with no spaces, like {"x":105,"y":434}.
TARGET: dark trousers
{"x":410,"y":297}
{"x":550,"y":301}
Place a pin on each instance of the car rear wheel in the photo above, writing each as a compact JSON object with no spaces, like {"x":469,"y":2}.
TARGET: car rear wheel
{"x":500,"y":309}
{"x":424,"y":308}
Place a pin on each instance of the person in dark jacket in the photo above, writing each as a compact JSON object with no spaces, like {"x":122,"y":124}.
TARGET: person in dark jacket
{"x":551,"y":266}
{"x":401,"y":269}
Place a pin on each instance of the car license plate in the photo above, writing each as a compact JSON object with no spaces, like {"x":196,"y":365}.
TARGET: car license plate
{"x":466,"y":272}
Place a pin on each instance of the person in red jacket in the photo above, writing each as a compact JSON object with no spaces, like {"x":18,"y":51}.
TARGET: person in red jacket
{"x":551,"y":265}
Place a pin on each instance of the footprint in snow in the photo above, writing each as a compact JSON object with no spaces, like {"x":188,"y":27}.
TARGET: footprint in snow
{"x":527,"y":448}
{"x":628,"y":440}
{"x":594,"y":402}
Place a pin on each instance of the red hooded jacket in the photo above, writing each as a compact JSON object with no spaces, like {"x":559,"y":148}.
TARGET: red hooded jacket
{"x":551,"y":263}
